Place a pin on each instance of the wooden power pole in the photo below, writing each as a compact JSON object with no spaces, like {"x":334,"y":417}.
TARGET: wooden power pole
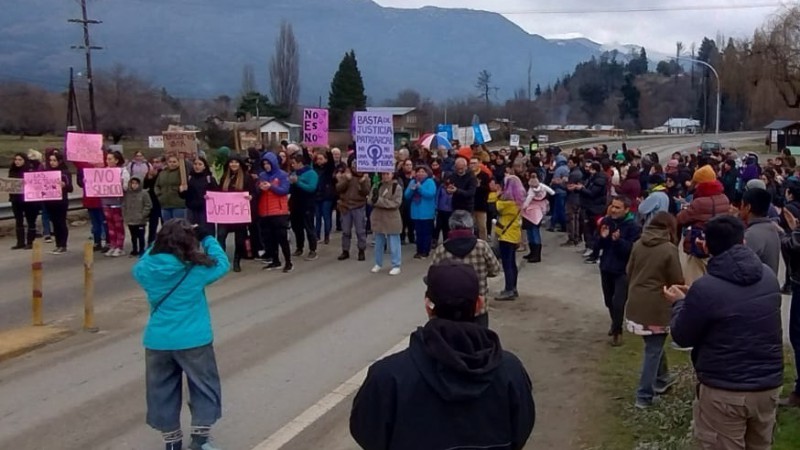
{"x":88,"y":47}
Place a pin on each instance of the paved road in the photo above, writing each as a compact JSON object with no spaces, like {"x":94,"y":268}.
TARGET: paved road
{"x":283,"y":340}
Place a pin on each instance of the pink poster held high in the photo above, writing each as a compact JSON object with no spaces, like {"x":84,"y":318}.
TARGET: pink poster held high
{"x":85,"y":147}
{"x":315,"y":127}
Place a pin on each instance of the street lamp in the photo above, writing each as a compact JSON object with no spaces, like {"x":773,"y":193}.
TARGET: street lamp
{"x":697,"y":61}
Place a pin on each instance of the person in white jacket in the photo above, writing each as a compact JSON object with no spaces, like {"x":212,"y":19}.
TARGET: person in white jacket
{"x":533,"y":211}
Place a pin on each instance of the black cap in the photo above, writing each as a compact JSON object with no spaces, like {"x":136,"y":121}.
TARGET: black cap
{"x":452,"y":285}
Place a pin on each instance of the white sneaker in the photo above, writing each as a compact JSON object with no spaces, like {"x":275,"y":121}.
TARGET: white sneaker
{"x":394,"y":271}
{"x":588,"y":253}
{"x":120,"y":252}
{"x":109,"y":253}
{"x":375,"y":269}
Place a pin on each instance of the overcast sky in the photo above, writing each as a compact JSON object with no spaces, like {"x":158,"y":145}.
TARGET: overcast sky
{"x":654,"y":30}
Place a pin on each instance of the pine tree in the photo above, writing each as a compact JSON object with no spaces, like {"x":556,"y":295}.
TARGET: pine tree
{"x":538,"y":91}
{"x":347,"y":92}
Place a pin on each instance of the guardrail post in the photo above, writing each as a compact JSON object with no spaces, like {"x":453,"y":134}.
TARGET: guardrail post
{"x":36,"y":275}
{"x":88,"y":287}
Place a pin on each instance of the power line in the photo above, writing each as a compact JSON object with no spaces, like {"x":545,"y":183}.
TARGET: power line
{"x":643,"y":9}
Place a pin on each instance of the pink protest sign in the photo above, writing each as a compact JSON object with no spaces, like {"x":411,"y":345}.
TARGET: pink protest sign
{"x":103,"y":182}
{"x":227,"y":207}
{"x":85,"y":147}
{"x":315,"y":127}
{"x":42,"y":186}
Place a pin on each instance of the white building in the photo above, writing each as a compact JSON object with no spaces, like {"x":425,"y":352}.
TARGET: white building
{"x":682,"y":126}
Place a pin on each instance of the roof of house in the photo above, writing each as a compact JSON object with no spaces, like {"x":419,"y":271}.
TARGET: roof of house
{"x":575,"y":127}
{"x":601,"y":127}
{"x":681,"y":122}
{"x":781,"y":124}
{"x":393,"y":110}
{"x":255,"y":124}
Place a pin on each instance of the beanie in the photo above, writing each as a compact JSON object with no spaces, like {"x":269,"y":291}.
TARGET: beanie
{"x":704,"y":174}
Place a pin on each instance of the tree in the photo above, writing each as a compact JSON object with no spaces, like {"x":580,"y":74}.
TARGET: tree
{"x":484,"y":85}
{"x":128,"y":105}
{"x":538,"y":92}
{"x":28,"y":109}
{"x":407,"y":98}
{"x":347,"y":92}
{"x":629,"y":106}
{"x":284,"y":71}
{"x":638,"y":65}
{"x":257,"y":105}
{"x":593,"y":95}
{"x":779,"y":43}
{"x":248,"y":80}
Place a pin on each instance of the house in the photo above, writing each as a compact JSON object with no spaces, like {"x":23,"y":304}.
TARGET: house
{"x":268,"y":130}
{"x":682,"y":126}
{"x":784,"y":134}
{"x":407,"y":122}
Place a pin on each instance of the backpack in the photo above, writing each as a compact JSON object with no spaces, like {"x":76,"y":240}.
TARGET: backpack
{"x":697,"y":231}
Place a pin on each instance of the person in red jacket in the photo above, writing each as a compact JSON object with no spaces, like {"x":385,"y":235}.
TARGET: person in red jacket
{"x":273,"y":212}
{"x":94,"y":206}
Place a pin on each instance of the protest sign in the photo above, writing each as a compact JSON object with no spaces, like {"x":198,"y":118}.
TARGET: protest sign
{"x":374,"y":134}
{"x":180,"y":142}
{"x":155,"y":141}
{"x":315,"y":127}
{"x":227,"y":207}
{"x":543,"y":138}
{"x":514,"y":140}
{"x":42,"y":186}
{"x":448,"y":130}
{"x":11,"y":185}
{"x":103,"y":182}
{"x":85,"y":147}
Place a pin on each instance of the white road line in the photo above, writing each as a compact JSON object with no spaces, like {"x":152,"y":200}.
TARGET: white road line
{"x":319,"y":409}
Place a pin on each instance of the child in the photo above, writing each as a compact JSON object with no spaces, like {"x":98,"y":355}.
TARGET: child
{"x":136,"y":206}
{"x":533,"y":211}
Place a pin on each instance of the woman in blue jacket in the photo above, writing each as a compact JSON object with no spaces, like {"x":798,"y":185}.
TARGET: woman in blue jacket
{"x":421,"y":192}
{"x":178,"y":337}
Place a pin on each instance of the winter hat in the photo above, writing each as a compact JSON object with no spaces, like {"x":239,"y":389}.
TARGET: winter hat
{"x":755,"y":183}
{"x":454,"y":287}
{"x":464,"y":152}
{"x":704,"y":174}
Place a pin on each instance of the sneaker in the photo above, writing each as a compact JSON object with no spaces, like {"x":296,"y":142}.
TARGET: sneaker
{"x":394,"y":271}
{"x":661,"y":390}
{"x":312,"y":256}
{"x":109,"y":252}
{"x":417,"y":256}
{"x":59,"y":251}
{"x":267,"y":262}
{"x":205,"y":446}
{"x":642,"y":404}
{"x":288,"y":268}
{"x":272,"y":265}
{"x":505,"y":296}
{"x":375,"y":269}
{"x":679,"y":348}
{"x":590,"y":261}
{"x":587,"y":253}
{"x":569,"y":244}
{"x":298,"y":252}
{"x":120,"y":252}
{"x":48,"y":239}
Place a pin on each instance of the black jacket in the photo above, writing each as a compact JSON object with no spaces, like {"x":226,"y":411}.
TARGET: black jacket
{"x":732,"y":318}
{"x":466,"y":185}
{"x":616,"y":254}
{"x":482,"y":180}
{"x":594,"y":194}
{"x":453,"y":388}
{"x":196,"y":188}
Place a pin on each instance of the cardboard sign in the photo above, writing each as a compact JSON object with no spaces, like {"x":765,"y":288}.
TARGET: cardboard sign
{"x":543,"y":139}
{"x":155,"y":141}
{"x":11,"y":185}
{"x":42,"y":186}
{"x":103,"y":182}
{"x":374,"y":134}
{"x":514,"y":140}
{"x":227,"y":207}
{"x":85,"y":147}
{"x":315,"y":127}
{"x":180,"y":142}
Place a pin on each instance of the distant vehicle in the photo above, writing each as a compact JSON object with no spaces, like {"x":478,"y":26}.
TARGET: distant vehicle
{"x":709,"y":147}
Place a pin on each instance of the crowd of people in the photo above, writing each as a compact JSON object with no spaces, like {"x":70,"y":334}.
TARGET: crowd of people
{"x":734,"y":219}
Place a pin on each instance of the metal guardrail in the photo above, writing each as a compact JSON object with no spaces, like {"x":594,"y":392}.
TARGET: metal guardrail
{"x":75,"y":203}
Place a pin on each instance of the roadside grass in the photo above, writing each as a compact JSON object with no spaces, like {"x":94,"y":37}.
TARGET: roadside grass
{"x":617,"y":425}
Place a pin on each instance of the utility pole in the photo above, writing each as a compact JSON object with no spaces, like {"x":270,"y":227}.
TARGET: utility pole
{"x":87,"y":47}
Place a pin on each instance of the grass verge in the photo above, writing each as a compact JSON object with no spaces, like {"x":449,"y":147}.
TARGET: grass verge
{"x":616,"y":424}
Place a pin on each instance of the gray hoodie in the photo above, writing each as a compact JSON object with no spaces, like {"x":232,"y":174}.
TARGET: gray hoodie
{"x":762,"y":237}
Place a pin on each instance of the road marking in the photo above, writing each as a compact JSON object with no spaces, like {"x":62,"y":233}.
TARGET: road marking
{"x":319,"y":409}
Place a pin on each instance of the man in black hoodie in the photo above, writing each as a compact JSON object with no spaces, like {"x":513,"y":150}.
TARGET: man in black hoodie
{"x":453,"y":388}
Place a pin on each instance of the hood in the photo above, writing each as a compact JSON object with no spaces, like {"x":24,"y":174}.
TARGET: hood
{"x":162,"y":268}
{"x":633,"y":174}
{"x":272,"y":158}
{"x":460,"y":246}
{"x":561,"y":160}
{"x":654,"y":236}
{"x":456,"y":359}
{"x":709,"y":189}
{"x":739,"y":265}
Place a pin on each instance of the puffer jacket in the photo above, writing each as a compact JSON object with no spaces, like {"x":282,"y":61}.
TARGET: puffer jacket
{"x":709,"y":201}
{"x":509,"y":226}
{"x":594,"y":194}
{"x":275,"y":200}
{"x":386,"y":199}
{"x":615,"y":256}
{"x":732,"y":318}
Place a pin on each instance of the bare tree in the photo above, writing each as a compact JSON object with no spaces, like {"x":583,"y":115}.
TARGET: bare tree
{"x":777,"y":47}
{"x":248,"y":80}
{"x":284,"y":70}
{"x":127,"y":104}
{"x":484,"y":85}
{"x":28,"y":109}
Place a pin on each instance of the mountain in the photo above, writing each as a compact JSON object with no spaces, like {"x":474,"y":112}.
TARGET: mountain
{"x":197,"y":48}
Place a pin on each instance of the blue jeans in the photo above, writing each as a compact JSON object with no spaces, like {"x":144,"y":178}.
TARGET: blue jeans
{"x":172,"y":213}
{"x":324,"y":215}
{"x":535,"y":235}
{"x":98,"y":221}
{"x":654,"y":367}
{"x":46,"y":223}
{"x":559,"y":214}
{"x":164,"y":371}
{"x":424,"y":231}
{"x":394,"y":248}
{"x":794,"y":332}
{"x":508,"y":258}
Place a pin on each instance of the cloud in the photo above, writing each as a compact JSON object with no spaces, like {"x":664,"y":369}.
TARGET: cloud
{"x":658,"y":31}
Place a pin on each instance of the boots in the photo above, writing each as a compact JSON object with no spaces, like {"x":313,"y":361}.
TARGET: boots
{"x":345,"y":255}
{"x":31,"y":236}
{"x":361,"y":255}
{"x":236,"y":264}
{"x":20,"y":239}
{"x":536,"y":253}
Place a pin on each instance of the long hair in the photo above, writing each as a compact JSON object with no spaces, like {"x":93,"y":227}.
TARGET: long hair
{"x":666,"y":221}
{"x":514,"y":190}
{"x":233,"y":178}
{"x":62,"y":165}
{"x":205,"y":172}
{"x":177,"y":237}
{"x":16,"y":172}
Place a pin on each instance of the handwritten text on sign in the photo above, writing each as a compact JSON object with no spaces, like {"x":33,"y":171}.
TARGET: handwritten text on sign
{"x":39,"y":186}
{"x":85,"y":147}
{"x":315,"y":127}
{"x":11,"y":185}
{"x":179,"y":142}
{"x":104,"y":182}
{"x":374,"y":134}
{"x":227,"y":207}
